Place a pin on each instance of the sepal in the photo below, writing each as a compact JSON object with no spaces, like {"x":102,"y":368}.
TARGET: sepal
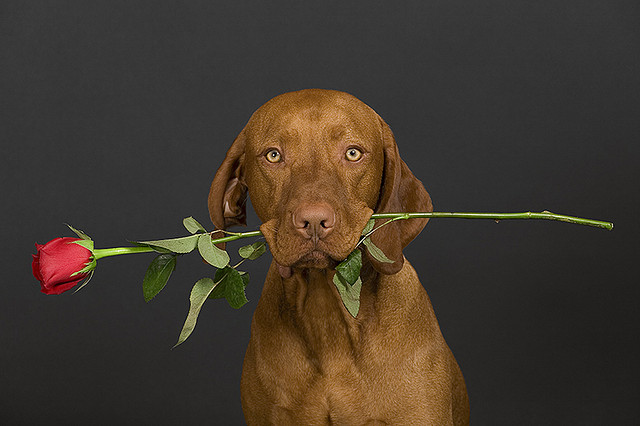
{"x":85,"y":282}
{"x":88,"y":244}
{"x":78,"y":232}
{"x":89,"y":266}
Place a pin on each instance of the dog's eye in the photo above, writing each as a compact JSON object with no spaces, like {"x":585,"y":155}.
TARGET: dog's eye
{"x":353,"y":154}
{"x":273,"y":156}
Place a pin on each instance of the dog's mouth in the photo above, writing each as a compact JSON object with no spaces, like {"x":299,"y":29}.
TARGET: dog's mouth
{"x":291,"y":251}
{"x":315,"y":259}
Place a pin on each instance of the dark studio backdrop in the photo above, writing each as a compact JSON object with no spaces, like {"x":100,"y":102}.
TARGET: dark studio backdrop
{"x":116,"y":114}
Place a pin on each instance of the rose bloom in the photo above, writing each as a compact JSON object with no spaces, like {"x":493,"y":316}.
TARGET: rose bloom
{"x":56,"y":261}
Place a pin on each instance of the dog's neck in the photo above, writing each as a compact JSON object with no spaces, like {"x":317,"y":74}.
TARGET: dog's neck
{"x":312,"y":307}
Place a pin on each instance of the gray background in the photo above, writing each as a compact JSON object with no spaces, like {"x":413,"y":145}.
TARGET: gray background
{"x":116,"y":114}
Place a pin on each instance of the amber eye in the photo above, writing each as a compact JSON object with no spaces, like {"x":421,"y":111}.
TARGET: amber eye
{"x":273,"y":156}
{"x":353,"y":154}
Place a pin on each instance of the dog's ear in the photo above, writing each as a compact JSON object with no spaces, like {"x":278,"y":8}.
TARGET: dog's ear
{"x":400,"y":192}
{"x":228,"y":193}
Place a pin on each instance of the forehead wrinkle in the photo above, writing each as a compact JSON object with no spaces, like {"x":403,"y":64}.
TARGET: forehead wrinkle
{"x":310,"y":128}
{"x":335,"y":125}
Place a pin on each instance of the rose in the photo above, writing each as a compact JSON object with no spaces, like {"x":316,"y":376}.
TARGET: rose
{"x":62,"y":263}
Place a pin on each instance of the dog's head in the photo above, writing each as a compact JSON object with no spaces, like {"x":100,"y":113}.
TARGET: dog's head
{"x":317,"y":164}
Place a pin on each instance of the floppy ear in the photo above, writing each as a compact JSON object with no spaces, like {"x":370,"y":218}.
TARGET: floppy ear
{"x":400,"y":192}
{"x":228,"y":193}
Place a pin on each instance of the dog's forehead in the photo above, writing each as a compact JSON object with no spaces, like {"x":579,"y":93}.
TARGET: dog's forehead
{"x":328,"y":112}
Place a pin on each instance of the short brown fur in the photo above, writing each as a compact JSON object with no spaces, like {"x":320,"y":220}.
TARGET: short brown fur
{"x":309,"y":362}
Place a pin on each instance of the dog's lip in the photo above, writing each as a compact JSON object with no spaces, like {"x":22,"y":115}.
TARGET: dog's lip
{"x":312,"y":259}
{"x":289,"y":249}
{"x":315,"y":256}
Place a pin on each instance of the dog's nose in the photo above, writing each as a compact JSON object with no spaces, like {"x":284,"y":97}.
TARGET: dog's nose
{"x":314,"y":221}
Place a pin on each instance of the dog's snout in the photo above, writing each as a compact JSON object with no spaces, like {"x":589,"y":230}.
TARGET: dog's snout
{"x":314,"y":221}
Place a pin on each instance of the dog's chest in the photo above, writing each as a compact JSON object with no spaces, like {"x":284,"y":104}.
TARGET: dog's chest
{"x":318,"y":318}
{"x":340,"y":388}
{"x":334,"y":352}
{"x":317,"y":366}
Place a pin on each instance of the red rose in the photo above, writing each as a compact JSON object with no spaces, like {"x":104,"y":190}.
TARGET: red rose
{"x":55,"y":264}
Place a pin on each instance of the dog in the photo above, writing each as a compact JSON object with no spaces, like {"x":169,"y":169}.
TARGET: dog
{"x":317,"y":164}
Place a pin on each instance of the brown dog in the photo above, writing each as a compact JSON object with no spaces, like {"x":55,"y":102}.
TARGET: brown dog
{"x":317,"y":164}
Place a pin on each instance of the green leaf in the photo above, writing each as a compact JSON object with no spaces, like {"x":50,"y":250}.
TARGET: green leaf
{"x":79,"y":233}
{"x":253,"y":251}
{"x":199,"y":294}
{"x":236,"y":284}
{"x":176,"y":245}
{"x":230,"y":286}
{"x":368,"y":227}
{"x":212,"y":254}
{"x":155,"y":248}
{"x":376,"y":252}
{"x":220,"y":290}
{"x":245,"y":279}
{"x":192,"y":225}
{"x":349,"y":268}
{"x":350,"y":294}
{"x":157,"y":275}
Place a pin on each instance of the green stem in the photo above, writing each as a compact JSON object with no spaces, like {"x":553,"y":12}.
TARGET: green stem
{"x":393,"y":219}
{"x":100,"y":253}
{"x":235,"y":236}
{"x":500,"y":216}
{"x":116,"y":251}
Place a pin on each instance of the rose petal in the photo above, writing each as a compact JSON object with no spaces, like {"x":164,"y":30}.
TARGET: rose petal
{"x":61,"y":288}
{"x":35,"y":266}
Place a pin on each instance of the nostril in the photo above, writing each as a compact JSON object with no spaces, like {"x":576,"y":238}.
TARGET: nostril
{"x":315,"y":220}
